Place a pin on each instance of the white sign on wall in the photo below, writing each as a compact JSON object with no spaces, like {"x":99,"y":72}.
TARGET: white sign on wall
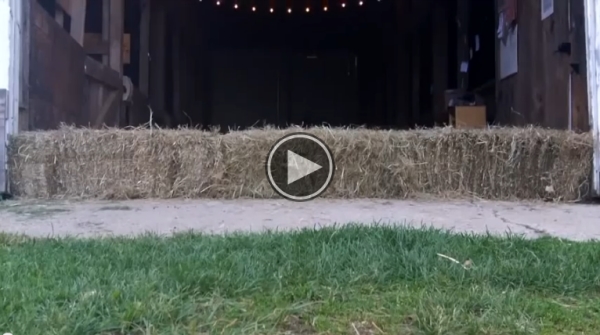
{"x":547,"y":8}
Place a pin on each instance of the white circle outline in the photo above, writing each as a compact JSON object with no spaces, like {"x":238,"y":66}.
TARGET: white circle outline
{"x":329,"y":159}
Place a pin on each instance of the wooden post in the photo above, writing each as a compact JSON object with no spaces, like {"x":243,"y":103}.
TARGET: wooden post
{"x":143,"y":80}
{"x":117,"y":8}
{"x":462,"y":41}
{"x":439,"y":34}
{"x":77,"y":12}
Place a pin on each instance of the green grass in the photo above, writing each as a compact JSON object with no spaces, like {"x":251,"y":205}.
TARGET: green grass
{"x":353,"y":280}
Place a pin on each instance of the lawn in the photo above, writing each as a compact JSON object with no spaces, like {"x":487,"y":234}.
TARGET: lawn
{"x":353,"y":280}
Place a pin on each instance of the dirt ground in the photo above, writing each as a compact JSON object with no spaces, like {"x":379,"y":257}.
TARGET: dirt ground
{"x":92,"y":219}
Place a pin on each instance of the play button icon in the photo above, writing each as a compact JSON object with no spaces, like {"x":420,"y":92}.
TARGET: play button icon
{"x":300,"y":167}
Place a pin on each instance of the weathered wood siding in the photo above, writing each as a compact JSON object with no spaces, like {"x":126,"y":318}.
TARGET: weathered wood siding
{"x":541,"y":92}
{"x":65,"y":85}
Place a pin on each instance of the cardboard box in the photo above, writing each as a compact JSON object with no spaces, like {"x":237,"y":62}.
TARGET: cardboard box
{"x":466,"y":117}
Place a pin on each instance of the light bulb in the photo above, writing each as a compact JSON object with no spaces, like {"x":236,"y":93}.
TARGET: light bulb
{"x":254,"y":9}
{"x":218,"y":3}
{"x":289,"y":10}
{"x":325,"y":9}
{"x":360,"y":3}
{"x":235,"y":6}
{"x":344,"y":5}
{"x":271,"y":10}
{"x":307,"y":9}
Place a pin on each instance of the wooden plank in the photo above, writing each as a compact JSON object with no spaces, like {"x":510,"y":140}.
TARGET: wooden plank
{"x":94,"y":44}
{"x":106,"y":106}
{"x":117,"y":9}
{"x":579,"y":95}
{"x":103,"y":74}
{"x":143,"y":80}
{"x":77,"y":10}
{"x":26,"y":49}
{"x":556,"y":68}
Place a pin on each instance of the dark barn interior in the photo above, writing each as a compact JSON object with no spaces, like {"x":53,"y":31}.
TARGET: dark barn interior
{"x":237,"y":63}
{"x":295,"y":68}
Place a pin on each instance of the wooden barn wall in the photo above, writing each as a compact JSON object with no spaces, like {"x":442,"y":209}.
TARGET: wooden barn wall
{"x":59,"y":88}
{"x":57,"y":81}
{"x":540,"y":92}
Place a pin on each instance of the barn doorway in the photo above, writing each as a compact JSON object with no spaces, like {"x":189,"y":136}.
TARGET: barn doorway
{"x":314,"y":62}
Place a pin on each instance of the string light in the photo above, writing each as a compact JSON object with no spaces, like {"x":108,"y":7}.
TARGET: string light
{"x":290,"y":5}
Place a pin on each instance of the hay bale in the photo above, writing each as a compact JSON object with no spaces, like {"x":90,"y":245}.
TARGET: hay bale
{"x":501,"y":163}
{"x":197,"y":162}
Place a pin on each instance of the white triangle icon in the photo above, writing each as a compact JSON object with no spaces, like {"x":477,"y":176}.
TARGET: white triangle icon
{"x":299,"y":167}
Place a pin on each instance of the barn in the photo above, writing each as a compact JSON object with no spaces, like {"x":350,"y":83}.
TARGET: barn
{"x":394,"y":64}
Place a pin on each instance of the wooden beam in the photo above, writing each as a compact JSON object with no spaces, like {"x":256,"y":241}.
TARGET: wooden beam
{"x":143,"y":80}
{"x":94,"y":44}
{"x":105,"y":107}
{"x":66,"y":5}
{"x":117,"y":17}
{"x":103,"y":74}
{"x":59,"y":16}
{"x":77,"y":10}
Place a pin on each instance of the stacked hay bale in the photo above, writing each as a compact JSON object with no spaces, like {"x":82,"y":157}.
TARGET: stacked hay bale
{"x":502,"y":163}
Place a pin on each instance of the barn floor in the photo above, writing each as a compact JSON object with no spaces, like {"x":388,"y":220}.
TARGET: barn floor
{"x":93,"y":219}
